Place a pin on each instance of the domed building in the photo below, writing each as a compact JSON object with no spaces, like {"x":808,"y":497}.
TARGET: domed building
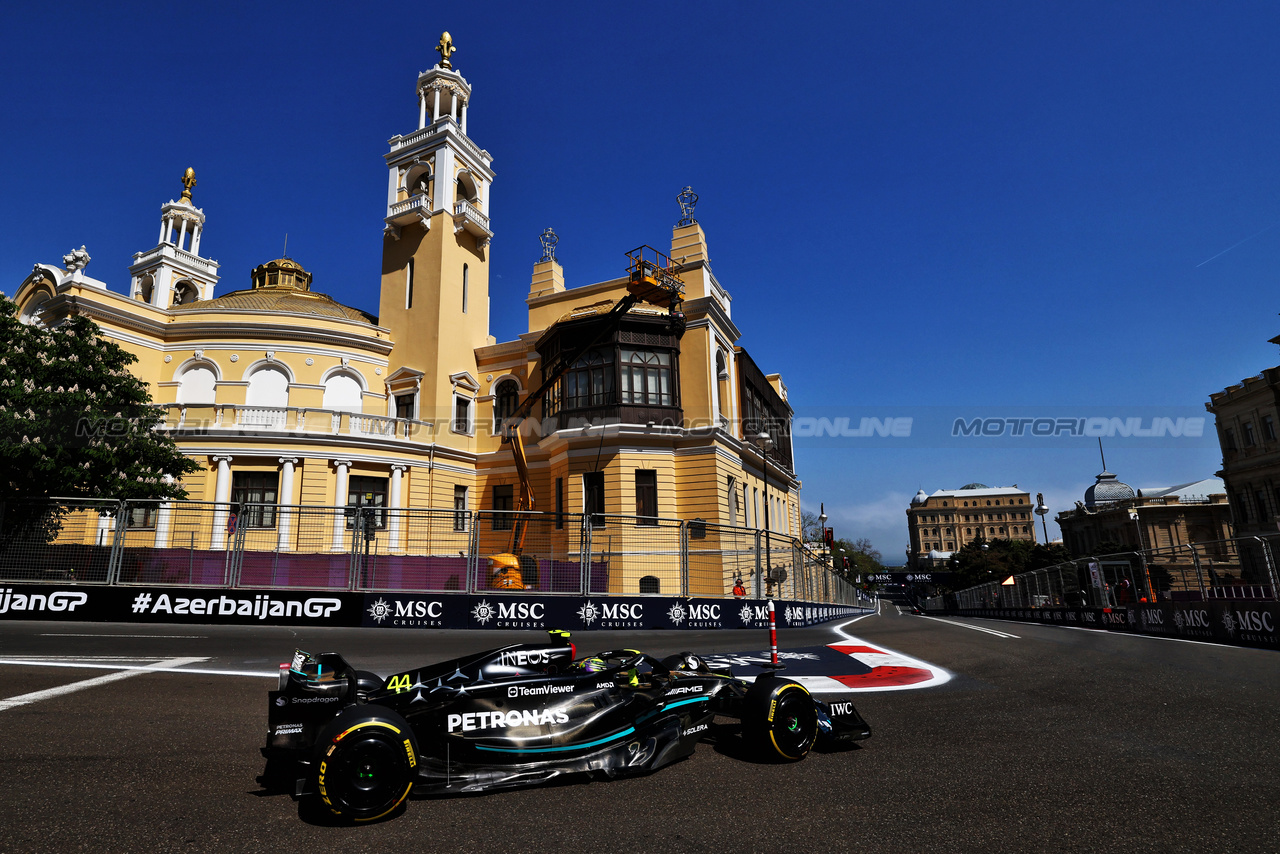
{"x":944,"y":521}
{"x":291,"y":400}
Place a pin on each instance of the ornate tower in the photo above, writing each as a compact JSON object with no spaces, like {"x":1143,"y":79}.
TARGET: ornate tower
{"x":435,"y":267}
{"x":173,"y":273}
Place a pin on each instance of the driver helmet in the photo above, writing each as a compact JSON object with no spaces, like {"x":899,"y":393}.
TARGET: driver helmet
{"x":591,"y":665}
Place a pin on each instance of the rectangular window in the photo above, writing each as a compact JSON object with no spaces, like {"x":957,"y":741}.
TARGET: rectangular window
{"x":367,"y":492}
{"x":462,"y":414}
{"x":733,"y":502}
{"x":646,"y":377}
{"x":1248,"y":434}
{"x":404,"y":405}
{"x":646,"y":496}
{"x":559,"y":503}
{"x":755,"y":506}
{"x":593,"y":497}
{"x":466,"y":286}
{"x":1261,"y":499}
{"x":142,"y":516}
{"x":408,"y":285}
{"x":503,"y":502}
{"x":1268,"y":428}
{"x":1229,"y":439}
{"x":590,"y":382}
{"x":1244,"y":508}
{"x":255,"y":492}
{"x":459,"y":508}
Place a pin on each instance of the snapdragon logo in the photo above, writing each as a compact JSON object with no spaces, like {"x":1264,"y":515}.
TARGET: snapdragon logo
{"x":1156,"y":427}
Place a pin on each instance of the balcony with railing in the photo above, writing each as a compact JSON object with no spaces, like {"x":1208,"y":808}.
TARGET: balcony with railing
{"x":415,"y":209}
{"x":466,"y":216}
{"x":204,"y":419}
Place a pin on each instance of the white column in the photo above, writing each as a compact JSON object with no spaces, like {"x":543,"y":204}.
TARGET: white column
{"x":340,"y":500}
{"x":221,"y":495}
{"x":435,"y":110}
{"x":195,"y":240}
{"x":163,"y":520}
{"x":182,"y":235}
{"x":422,"y":109}
{"x":164,"y":228}
{"x":284,"y":523}
{"x":394,"y":500}
{"x":393,"y":184}
{"x":464,"y":116}
{"x":453,"y":108}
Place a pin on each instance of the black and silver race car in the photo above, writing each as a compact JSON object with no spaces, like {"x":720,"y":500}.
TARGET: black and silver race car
{"x":517,"y":716}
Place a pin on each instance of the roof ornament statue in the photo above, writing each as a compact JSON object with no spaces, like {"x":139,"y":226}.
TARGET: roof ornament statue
{"x":446,"y":50}
{"x":549,"y":241}
{"x":75,"y":260}
{"x":688,"y":200}
{"x":188,"y":181}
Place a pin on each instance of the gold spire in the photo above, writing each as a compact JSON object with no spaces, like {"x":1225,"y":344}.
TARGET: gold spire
{"x":188,"y":181}
{"x":446,"y":49}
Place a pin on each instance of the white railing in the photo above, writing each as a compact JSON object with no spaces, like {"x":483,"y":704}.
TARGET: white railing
{"x":470,"y":211}
{"x":373,"y":425}
{"x":410,"y":205}
{"x":261,"y":416}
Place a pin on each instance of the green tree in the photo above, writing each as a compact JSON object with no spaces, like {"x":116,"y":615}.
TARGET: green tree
{"x":74,"y":422}
{"x":863,"y":557}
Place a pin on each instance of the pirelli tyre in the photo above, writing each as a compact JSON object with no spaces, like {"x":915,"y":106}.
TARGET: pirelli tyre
{"x":366,"y":760}
{"x":779,"y":721}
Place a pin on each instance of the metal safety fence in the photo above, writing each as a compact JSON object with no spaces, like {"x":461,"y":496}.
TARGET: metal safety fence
{"x":1237,"y":568}
{"x":371,"y":548}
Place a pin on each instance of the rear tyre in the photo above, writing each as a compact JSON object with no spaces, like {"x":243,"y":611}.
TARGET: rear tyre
{"x":779,"y":721}
{"x":366,"y":761}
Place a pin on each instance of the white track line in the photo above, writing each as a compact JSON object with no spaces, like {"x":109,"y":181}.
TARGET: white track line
{"x":50,"y":693}
{"x":967,"y":626}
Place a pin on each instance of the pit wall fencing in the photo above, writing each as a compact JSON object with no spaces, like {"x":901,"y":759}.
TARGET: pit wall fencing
{"x":1239,"y":622}
{"x":402,"y":610}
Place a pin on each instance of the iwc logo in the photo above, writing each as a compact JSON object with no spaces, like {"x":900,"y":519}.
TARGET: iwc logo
{"x":483,"y":612}
{"x":589,"y":613}
{"x":677,"y":613}
{"x":380,"y":610}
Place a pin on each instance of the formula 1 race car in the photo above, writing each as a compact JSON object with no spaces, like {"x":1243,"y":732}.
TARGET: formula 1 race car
{"x":518,"y":716}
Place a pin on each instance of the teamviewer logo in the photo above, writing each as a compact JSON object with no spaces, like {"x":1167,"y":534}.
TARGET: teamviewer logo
{"x":141,"y":602}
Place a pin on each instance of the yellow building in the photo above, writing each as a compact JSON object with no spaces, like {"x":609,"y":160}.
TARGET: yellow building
{"x":288,"y":398}
{"x":947,"y":520}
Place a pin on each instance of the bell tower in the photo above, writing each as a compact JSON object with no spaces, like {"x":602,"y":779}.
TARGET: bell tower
{"x":173,"y":272}
{"x":435,"y":253}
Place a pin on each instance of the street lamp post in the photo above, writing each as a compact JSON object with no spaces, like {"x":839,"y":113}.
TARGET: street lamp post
{"x":1042,"y":511}
{"x":764,"y":443}
{"x":822,"y":521}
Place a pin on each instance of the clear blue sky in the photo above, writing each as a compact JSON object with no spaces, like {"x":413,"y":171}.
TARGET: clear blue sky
{"x":919,"y":208}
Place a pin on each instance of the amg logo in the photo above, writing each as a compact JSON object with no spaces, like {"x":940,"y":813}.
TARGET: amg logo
{"x":520,"y":610}
{"x":687,"y":689}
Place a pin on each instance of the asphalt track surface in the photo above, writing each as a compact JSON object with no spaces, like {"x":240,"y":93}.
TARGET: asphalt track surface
{"x":1044,"y":739}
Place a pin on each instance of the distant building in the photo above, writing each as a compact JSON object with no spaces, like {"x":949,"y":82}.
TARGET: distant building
{"x":1163,"y":519}
{"x":944,"y":522}
{"x":1247,"y":415}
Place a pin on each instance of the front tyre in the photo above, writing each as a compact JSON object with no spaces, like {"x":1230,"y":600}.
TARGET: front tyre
{"x":779,"y":720}
{"x":366,"y":761}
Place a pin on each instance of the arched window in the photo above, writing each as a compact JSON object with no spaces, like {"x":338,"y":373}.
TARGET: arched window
{"x":196,"y":384}
{"x":146,"y":289}
{"x":268,"y":388}
{"x":722,"y":383}
{"x":342,"y":393}
{"x":506,"y":396}
{"x":650,"y":584}
{"x":646,"y":377}
{"x":185,"y":292}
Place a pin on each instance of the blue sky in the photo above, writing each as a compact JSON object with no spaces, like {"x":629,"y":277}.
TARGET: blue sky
{"x":919,"y":208}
